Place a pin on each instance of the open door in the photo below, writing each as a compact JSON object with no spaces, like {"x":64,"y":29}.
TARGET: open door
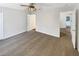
{"x":74,"y":29}
{"x":31,"y":22}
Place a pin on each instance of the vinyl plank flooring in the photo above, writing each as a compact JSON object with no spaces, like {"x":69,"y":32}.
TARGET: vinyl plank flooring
{"x":33,"y":43}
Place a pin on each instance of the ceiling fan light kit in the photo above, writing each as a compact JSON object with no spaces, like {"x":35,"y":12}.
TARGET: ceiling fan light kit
{"x":31,"y":8}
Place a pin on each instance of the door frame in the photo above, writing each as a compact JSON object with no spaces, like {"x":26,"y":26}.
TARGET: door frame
{"x":2,"y":34}
{"x":75,"y":41}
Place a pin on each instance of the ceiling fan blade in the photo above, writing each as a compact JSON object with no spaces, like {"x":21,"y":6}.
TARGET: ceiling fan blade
{"x":24,"y":5}
{"x":32,"y":4}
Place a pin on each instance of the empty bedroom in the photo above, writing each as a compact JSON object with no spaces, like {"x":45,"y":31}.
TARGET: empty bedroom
{"x":39,"y":29}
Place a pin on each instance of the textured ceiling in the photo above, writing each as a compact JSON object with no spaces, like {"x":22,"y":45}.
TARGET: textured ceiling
{"x":12,"y":5}
{"x":50,"y":5}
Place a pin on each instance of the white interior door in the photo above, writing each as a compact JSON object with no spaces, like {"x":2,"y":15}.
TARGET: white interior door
{"x":73,"y":28}
{"x":1,"y":25}
{"x":31,"y":22}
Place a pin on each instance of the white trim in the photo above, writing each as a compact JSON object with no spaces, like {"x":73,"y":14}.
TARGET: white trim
{"x":5,"y":37}
{"x":78,"y":49}
{"x":48,"y":33}
{"x":1,"y":25}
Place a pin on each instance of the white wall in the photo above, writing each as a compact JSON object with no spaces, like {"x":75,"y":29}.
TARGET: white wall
{"x":1,"y":24}
{"x":0,"y":9}
{"x":62,"y":20}
{"x":14,"y":22}
{"x":48,"y":21}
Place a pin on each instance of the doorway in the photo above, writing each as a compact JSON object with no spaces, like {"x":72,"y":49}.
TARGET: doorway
{"x":31,"y":22}
{"x":68,"y":26}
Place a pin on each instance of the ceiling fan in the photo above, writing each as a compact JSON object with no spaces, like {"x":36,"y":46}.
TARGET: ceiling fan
{"x":31,"y":7}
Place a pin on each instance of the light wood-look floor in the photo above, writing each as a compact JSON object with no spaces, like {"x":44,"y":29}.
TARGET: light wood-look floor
{"x":37,"y":44}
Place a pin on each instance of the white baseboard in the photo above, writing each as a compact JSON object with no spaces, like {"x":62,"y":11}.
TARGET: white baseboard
{"x":48,"y":34}
{"x":12,"y":35}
